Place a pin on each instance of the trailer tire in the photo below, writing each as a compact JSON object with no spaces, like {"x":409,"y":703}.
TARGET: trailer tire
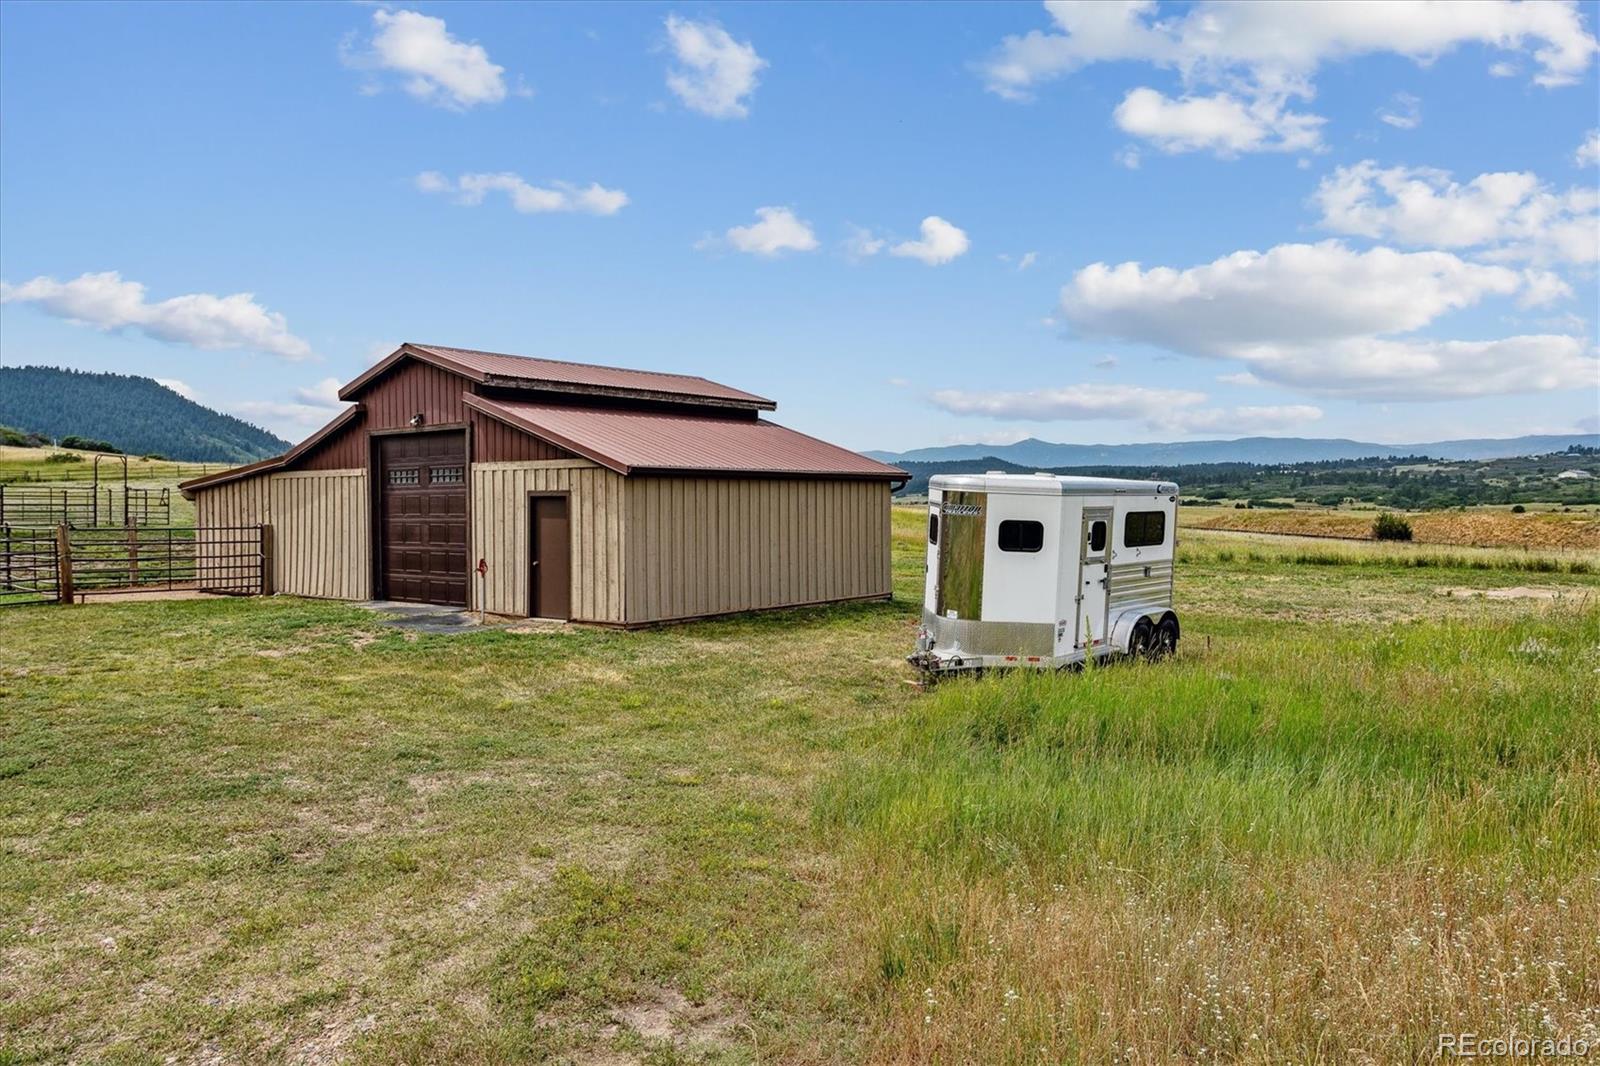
{"x":1166,"y":638}
{"x":1141,"y":641}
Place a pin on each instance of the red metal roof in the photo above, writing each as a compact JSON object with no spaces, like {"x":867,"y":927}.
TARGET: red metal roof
{"x":558,"y":375}
{"x":633,"y":442}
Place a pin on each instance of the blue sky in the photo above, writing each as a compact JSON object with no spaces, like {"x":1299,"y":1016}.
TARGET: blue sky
{"x":908,"y":224}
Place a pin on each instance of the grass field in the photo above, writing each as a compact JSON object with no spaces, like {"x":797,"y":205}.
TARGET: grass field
{"x":1360,"y":808}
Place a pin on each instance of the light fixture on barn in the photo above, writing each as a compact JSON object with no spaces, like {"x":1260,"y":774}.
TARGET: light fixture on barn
{"x":416,"y":420}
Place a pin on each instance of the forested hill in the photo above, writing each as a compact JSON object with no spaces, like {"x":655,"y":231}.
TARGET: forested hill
{"x":138,"y":415}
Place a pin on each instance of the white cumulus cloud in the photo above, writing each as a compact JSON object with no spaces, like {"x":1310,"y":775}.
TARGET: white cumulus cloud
{"x":182,"y":388}
{"x":1223,"y":123}
{"x":940,"y":243}
{"x":1173,"y":410}
{"x":324,"y":393}
{"x":716,"y":74}
{"x":1588,"y":153}
{"x":775,"y":231}
{"x":433,"y":66}
{"x":1264,"y":54}
{"x":1510,"y":215}
{"x":525,"y":197}
{"x":311,"y":408}
{"x":1324,"y":318}
{"x":107,"y":302}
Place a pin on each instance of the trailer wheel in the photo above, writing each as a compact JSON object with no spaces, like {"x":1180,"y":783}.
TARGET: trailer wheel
{"x":1166,"y":638}
{"x":1140,"y":641}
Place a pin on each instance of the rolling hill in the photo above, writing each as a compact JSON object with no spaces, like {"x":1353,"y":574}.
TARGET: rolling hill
{"x":138,"y":415}
{"x":1040,"y":455}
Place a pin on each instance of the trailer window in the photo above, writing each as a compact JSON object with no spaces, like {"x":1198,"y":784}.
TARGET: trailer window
{"x":933,"y":528}
{"x":1142,"y":529}
{"x":1020,"y":536}
{"x":1097,"y":537}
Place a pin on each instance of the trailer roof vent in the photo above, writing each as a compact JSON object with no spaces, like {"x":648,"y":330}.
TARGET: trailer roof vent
{"x":994,"y":473}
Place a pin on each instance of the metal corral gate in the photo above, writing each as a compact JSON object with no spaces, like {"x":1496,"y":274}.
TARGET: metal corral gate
{"x":65,"y":564}
{"x":29,"y":566}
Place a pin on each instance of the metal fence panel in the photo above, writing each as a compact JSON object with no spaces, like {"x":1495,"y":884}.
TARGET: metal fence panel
{"x":77,"y":505}
{"x":29,"y":568}
{"x":136,"y":558}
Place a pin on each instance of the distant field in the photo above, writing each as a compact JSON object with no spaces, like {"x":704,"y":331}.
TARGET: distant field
{"x":1498,"y":527}
{"x":1360,"y":808}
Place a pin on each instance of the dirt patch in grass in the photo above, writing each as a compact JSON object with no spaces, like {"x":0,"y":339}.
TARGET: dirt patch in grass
{"x":666,"y":1014}
{"x":1520,"y":592}
{"x":152,"y":595}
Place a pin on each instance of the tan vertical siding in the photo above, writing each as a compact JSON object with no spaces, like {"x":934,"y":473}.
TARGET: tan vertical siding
{"x":700,"y":546}
{"x":322,"y":534}
{"x":595,"y":524}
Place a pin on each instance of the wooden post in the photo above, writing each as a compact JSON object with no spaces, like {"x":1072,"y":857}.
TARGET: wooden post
{"x":266,"y":559}
{"x":63,"y":564}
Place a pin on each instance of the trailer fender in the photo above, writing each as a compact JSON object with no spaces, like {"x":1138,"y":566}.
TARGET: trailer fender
{"x":1122,"y":626}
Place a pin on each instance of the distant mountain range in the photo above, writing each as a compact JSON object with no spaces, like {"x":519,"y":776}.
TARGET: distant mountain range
{"x":138,"y":415}
{"x":1040,"y":454}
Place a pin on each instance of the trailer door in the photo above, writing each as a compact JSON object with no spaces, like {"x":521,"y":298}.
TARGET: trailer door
{"x":1093,"y":576}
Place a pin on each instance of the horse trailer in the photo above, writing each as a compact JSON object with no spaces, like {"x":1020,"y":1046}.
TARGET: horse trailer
{"x":1045,"y":571}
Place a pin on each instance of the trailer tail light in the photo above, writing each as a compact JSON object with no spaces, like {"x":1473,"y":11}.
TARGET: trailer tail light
{"x":1011,"y":658}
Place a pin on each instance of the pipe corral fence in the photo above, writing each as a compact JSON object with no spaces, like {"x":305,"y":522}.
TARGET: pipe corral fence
{"x":64,"y":564}
{"x":51,"y":505}
{"x":91,"y":505}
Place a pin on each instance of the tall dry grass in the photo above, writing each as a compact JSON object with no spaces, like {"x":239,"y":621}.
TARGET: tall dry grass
{"x":1304,"y":846}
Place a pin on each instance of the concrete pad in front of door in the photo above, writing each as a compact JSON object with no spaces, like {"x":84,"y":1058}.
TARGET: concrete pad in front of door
{"x":426,"y":617}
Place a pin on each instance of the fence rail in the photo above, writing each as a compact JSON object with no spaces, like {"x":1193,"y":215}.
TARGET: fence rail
{"x":29,"y":570}
{"x":66,"y":564}
{"x":166,"y":558}
{"x":40,"y":505}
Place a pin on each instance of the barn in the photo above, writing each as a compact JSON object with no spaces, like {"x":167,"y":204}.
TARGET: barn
{"x":534,"y":487}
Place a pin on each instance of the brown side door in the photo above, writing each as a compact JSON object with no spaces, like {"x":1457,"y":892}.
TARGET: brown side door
{"x":424,"y":517}
{"x":549,"y":558}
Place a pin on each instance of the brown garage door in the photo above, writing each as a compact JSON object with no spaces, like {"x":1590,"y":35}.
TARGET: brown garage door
{"x":424,"y":526}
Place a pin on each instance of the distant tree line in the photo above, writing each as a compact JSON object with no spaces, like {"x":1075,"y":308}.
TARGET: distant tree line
{"x":118,"y":412}
{"x":1413,"y":482}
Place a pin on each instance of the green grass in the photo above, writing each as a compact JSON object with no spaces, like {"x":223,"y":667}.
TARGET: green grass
{"x":1394,"y":747}
{"x":274,"y":830}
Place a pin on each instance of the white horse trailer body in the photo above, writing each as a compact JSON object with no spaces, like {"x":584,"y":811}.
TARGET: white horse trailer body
{"x":1040,"y":570}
